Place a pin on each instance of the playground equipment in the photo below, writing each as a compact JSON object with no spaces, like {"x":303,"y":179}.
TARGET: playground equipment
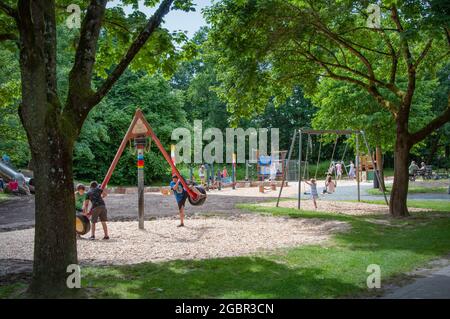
{"x":8,"y":173}
{"x":268,"y":165}
{"x":82,"y":224}
{"x":310,"y":132}
{"x":141,"y":132}
{"x":271,"y":166}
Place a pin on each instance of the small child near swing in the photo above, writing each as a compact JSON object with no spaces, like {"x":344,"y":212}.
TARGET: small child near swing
{"x":330,"y":185}
{"x":314,"y":195}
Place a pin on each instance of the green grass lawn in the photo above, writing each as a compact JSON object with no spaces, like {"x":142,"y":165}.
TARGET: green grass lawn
{"x":435,"y":205}
{"x":3,"y":197}
{"x":336,"y":269}
{"x":412,"y":190}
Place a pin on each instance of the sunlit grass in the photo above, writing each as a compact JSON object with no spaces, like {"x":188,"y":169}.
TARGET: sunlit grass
{"x":334,"y":269}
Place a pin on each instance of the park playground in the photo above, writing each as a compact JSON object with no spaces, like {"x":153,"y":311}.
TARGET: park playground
{"x":224,"y":149}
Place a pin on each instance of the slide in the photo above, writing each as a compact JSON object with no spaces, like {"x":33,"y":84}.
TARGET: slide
{"x":8,"y":173}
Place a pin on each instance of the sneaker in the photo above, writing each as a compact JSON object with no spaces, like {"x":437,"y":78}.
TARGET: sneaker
{"x":92,"y":238}
{"x":106,"y":238}
{"x":181,"y":225}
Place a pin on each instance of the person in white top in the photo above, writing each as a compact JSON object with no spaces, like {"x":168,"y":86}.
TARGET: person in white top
{"x":201,"y":174}
{"x":351,"y":172}
{"x":338,"y":170}
{"x":273,"y":172}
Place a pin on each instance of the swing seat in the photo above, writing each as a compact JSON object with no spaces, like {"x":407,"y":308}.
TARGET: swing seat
{"x":201,"y":198}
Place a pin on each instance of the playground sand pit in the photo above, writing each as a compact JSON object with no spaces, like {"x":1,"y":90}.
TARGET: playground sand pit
{"x":341,"y":207}
{"x":201,"y":238}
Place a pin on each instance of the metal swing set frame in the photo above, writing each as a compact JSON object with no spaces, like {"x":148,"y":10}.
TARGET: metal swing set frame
{"x":310,"y":132}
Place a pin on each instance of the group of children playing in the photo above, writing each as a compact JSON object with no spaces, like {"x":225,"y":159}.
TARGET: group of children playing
{"x":214,"y":181}
{"x":330,"y":185}
{"x":337,"y":167}
{"x":93,"y":196}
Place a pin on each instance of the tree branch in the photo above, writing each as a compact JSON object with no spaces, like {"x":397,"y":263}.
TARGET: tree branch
{"x":8,"y":10}
{"x":8,"y":36}
{"x":423,"y":54}
{"x":81,"y":73}
{"x":394,"y":58}
{"x":407,"y":99}
{"x":336,"y":38}
{"x":137,"y":44}
{"x":372,"y":90}
{"x":407,"y":53}
{"x":433,"y":125}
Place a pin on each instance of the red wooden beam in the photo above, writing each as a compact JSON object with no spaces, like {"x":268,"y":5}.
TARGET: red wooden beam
{"x":136,"y":130}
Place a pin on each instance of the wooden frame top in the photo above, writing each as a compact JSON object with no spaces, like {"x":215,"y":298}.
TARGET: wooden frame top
{"x":339,"y":132}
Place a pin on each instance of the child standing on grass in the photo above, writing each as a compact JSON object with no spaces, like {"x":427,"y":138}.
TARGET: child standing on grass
{"x":95,"y":195}
{"x":180,"y":196}
{"x":314,"y":195}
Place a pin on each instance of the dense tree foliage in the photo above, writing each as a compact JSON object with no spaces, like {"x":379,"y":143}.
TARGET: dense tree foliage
{"x":106,"y":126}
{"x":266,"y":47}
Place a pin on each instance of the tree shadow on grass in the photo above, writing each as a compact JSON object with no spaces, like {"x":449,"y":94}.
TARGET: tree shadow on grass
{"x":423,"y":234}
{"x":236,"y":277}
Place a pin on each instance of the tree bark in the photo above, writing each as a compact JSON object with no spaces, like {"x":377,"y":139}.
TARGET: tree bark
{"x":54,"y":240}
{"x":51,"y":145}
{"x":398,"y":200}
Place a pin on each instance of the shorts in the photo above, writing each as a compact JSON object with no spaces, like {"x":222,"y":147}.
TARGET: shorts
{"x":182,"y":201}
{"x":99,"y":212}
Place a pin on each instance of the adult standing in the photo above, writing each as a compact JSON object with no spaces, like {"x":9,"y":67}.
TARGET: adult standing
{"x":351,"y":171}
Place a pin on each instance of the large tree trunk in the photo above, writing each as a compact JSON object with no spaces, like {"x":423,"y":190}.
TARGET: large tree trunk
{"x":54,"y":240}
{"x":398,"y":200}
{"x":51,"y":142}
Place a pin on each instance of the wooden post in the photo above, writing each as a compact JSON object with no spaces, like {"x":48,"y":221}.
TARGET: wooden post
{"x":299,"y":167}
{"x":376,"y":173}
{"x":286,"y":167}
{"x":357,"y":167}
{"x":246,"y":170}
{"x":234,"y":170}
{"x":379,"y":160}
{"x":140,"y":167}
